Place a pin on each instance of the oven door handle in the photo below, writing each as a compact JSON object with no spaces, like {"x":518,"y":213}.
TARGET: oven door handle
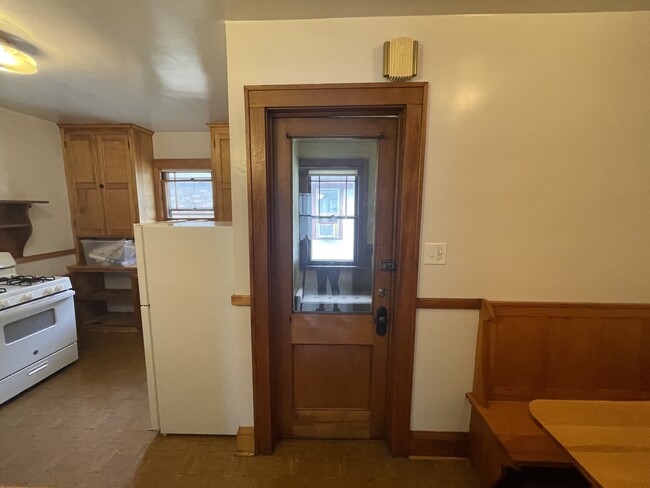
{"x":31,"y":308}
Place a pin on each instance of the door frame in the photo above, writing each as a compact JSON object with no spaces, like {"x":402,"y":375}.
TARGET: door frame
{"x":408,"y":101}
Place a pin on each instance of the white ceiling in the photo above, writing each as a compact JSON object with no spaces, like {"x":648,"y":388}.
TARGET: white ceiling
{"x":162,"y":63}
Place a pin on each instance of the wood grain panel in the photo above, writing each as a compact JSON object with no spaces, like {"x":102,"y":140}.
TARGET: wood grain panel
{"x":370,"y":94}
{"x":240,"y":300}
{"x":571,"y":351}
{"x":43,"y":256}
{"x":89,"y":220}
{"x":449,"y":303}
{"x":331,"y":376}
{"x":114,"y":154}
{"x":118,"y":212}
{"x":619,"y":353}
{"x":519,"y":356}
{"x":571,"y":356}
{"x":81,"y":157}
{"x":444,"y":444}
{"x":331,"y":424}
{"x":340,"y":329}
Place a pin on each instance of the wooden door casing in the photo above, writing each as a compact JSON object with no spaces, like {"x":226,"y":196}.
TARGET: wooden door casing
{"x":407,"y":101}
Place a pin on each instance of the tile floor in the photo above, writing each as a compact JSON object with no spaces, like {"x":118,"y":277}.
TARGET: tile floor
{"x":87,"y":427}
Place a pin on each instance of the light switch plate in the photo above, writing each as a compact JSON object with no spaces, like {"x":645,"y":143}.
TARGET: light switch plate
{"x":435,"y":253}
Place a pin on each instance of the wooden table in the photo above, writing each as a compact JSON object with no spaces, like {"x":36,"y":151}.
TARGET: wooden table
{"x":609,"y":441}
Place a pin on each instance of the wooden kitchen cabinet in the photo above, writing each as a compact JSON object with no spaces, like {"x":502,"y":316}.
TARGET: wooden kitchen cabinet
{"x":110,"y":178}
{"x":109,"y":171}
{"x":220,"y":151}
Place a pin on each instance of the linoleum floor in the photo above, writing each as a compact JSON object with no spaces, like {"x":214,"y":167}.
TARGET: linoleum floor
{"x":86,"y":426}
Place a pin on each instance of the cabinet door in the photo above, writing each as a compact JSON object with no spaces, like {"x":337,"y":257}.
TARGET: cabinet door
{"x":115,"y":164}
{"x":83,"y":173}
{"x":221,"y":171}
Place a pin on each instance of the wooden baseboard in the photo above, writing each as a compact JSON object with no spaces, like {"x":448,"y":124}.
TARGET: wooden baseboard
{"x":245,"y":441}
{"x":443,"y":444}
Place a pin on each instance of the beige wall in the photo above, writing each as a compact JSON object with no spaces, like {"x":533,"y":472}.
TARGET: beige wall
{"x":31,"y":168}
{"x":181,"y":145}
{"x":536,"y":173}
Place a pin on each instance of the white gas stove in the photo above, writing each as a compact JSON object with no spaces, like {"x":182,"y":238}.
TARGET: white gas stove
{"x":38,"y":334}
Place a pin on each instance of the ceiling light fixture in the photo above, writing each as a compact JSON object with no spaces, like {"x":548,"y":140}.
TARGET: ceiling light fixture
{"x":13,"y":60}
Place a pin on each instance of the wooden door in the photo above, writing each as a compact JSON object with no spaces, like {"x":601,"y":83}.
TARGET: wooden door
{"x":334,"y":186}
{"x":85,"y":179}
{"x":115,"y":164}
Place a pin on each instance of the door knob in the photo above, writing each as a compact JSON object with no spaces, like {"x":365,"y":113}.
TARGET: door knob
{"x":381,"y":321}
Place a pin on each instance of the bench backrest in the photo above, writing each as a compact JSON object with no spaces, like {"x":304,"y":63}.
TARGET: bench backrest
{"x":570,"y":351}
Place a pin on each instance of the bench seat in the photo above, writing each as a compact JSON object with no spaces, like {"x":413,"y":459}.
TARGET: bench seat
{"x":523,"y":441}
{"x":526,"y":351}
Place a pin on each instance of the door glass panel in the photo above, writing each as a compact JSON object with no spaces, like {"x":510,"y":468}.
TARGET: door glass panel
{"x":334,"y":189}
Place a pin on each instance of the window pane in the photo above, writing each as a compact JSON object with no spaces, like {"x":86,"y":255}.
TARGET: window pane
{"x":188,"y":195}
{"x":333,"y":231}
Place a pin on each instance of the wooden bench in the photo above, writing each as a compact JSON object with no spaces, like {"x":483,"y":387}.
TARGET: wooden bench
{"x":527,"y":351}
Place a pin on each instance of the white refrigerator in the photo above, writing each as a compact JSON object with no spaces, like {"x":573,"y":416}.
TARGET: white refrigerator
{"x":186,"y":276}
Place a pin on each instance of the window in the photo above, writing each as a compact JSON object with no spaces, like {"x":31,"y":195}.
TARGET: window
{"x":334,"y":217}
{"x":188,"y":194}
{"x":184,"y":190}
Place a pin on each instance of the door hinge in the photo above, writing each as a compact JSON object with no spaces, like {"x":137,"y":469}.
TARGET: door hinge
{"x":387,"y":265}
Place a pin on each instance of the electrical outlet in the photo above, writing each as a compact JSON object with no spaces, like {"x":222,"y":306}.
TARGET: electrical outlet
{"x":435,"y":253}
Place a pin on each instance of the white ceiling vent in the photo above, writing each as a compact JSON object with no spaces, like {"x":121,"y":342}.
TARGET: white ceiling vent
{"x":400,"y":59}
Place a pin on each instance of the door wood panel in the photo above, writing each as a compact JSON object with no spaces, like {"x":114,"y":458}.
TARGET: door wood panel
{"x":332,"y":376}
{"x":119,"y":220}
{"x":82,"y":158}
{"x":115,"y":158}
{"x":89,"y":218}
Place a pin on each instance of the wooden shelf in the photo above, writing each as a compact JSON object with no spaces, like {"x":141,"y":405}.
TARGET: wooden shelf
{"x":113,"y":320}
{"x":15,"y":226}
{"x":83,"y":268}
{"x":108,"y":295}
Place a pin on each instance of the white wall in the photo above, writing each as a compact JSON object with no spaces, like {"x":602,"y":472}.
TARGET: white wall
{"x":31,"y":168}
{"x":536,"y":170}
{"x":181,"y":145}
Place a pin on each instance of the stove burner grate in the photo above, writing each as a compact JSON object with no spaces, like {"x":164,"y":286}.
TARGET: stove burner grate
{"x":3,"y":290}
{"x":25,"y":280}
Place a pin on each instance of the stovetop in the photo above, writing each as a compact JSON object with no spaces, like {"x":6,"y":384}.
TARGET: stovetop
{"x":18,"y":290}
{"x":24,"y":280}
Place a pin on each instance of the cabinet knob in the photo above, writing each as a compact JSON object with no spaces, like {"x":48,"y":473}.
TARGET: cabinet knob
{"x":101,"y":185}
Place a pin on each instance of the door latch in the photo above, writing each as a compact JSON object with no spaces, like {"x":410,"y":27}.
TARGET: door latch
{"x":387,"y":265}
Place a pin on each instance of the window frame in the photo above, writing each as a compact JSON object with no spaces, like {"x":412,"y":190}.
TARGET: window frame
{"x":361,"y":213}
{"x":180,"y":165}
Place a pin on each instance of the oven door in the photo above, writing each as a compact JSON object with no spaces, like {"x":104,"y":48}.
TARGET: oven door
{"x":35,"y":330}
